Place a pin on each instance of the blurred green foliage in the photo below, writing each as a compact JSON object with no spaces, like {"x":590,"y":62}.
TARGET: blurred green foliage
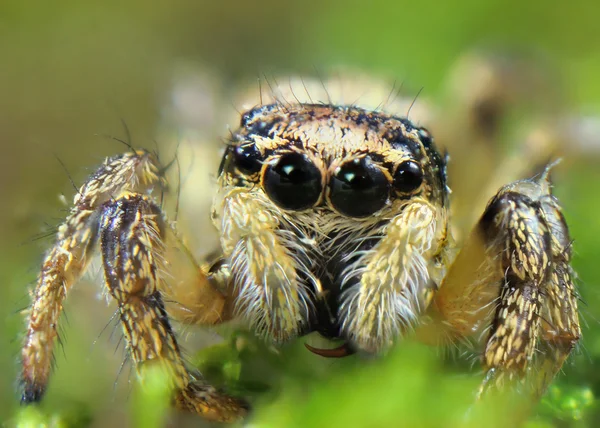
{"x":72,"y":69}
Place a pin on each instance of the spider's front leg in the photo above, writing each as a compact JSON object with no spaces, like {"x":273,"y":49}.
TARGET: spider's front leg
{"x":67,"y":260}
{"x":514,"y":275}
{"x":132,"y":233}
{"x":114,"y":206}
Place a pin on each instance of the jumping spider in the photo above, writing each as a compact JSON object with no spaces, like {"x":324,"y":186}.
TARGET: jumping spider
{"x":334,"y":219}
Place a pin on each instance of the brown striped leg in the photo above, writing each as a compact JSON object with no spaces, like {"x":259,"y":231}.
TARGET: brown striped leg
{"x":62,"y":266}
{"x":538,"y":306}
{"x":514,"y":275}
{"x":560,"y":322}
{"x":514,"y":225}
{"x":66,"y":261}
{"x":132,"y":233}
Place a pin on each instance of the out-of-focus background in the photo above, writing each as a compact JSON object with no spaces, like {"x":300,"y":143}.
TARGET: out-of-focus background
{"x":72,"y":72}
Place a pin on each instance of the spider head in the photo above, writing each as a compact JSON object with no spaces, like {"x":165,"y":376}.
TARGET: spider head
{"x":336,"y":159}
{"x":306,"y":191}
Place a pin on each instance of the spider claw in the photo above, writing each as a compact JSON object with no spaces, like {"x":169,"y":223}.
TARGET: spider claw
{"x":31,"y":393}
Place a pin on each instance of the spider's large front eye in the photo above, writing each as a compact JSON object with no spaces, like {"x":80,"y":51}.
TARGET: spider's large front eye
{"x":247,"y":159}
{"x":359,"y":188}
{"x":293,"y":183}
{"x":408,"y":177}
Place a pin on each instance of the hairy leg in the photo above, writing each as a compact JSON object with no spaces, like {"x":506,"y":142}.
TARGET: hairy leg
{"x":112,"y":206}
{"x":66,"y":261}
{"x":514,"y":276}
{"x":560,"y":320}
{"x":132,"y":235}
{"x":62,"y":266}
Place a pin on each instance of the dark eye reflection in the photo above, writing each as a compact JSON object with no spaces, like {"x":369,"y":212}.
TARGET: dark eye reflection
{"x":293,"y":183}
{"x":408,"y":177}
{"x":359,"y":188}
{"x":247,"y":159}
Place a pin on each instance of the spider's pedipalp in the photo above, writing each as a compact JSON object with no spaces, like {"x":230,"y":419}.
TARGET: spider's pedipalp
{"x":395,"y":278}
{"x":270,"y":295}
{"x":66,"y":261}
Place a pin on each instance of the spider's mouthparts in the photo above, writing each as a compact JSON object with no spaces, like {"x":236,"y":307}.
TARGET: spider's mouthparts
{"x":344,"y":350}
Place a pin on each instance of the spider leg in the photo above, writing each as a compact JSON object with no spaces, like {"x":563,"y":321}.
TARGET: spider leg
{"x":111,"y":206}
{"x":198,"y":294}
{"x":132,"y":233}
{"x":62,"y":266}
{"x":66,"y":261}
{"x":560,"y":327}
{"x":514,"y":276}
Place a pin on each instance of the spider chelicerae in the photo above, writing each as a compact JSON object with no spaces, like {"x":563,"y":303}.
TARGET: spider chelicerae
{"x":334,"y":219}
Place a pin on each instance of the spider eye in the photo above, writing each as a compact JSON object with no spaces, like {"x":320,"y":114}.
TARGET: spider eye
{"x":359,"y":188}
{"x":247,"y":159}
{"x":408,"y":177}
{"x":293,"y":183}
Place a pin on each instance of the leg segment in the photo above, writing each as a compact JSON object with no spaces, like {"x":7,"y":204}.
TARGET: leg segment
{"x":522,"y":241}
{"x":132,"y":236}
{"x":560,"y":321}
{"x":111,"y":206}
{"x":61,"y":268}
{"x":67,"y":259}
{"x":514,"y":275}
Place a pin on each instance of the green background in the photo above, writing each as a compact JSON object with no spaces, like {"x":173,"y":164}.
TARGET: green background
{"x":71,"y":70}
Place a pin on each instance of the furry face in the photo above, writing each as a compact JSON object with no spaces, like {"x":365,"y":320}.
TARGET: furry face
{"x":332,"y":219}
